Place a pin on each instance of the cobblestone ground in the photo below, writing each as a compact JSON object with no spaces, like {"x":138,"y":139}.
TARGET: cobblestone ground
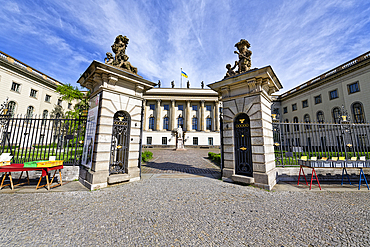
{"x":191,"y":161}
{"x":198,"y":211}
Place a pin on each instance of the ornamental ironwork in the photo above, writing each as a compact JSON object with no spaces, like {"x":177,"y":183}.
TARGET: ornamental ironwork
{"x":120,"y":143}
{"x":243,"y":147}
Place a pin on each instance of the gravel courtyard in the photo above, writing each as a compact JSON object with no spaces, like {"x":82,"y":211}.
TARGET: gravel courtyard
{"x":185,"y":211}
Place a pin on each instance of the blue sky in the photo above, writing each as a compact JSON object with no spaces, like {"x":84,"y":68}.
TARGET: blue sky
{"x":299,"y":39}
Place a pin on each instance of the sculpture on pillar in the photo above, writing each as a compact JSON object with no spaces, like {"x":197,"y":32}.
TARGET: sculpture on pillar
{"x":121,"y":59}
{"x":159,"y":83}
{"x":172,"y":84}
{"x":245,"y":62}
{"x":202,"y":84}
{"x":188,"y":84}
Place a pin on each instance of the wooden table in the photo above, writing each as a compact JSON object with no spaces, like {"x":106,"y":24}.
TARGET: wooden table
{"x":20,"y":168}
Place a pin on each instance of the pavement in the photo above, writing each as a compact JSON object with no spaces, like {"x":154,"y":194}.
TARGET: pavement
{"x":180,"y":207}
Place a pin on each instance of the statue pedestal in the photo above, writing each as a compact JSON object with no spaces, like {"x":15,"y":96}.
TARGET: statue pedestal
{"x":180,"y":144}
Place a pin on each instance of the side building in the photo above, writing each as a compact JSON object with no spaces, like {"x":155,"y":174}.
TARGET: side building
{"x":29,"y":91}
{"x":195,"y":110}
{"x":321,"y":99}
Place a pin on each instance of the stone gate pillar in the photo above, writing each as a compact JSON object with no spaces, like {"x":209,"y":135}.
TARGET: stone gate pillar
{"x":120,"y":91}
{"x":249,"y":93}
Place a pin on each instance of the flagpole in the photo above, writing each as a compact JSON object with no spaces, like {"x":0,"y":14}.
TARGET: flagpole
{"x":181,"y":78}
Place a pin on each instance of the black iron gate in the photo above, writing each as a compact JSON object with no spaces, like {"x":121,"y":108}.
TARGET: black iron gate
{"x":120,"y":143}
{"x":243,"y":147}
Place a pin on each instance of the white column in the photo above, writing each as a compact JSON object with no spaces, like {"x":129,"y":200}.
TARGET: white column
{"x":217,"y":120}
{"x":145,"y":126}
{"x":202,"y":120}
{"x":158,"y":117}
{"x":188,"y":117}
{"x":173,"y":116}
{"x":213,"y":116}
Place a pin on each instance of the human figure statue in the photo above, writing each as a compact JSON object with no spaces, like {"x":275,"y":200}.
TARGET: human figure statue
{"x":159,"y":83}
{"x":245,"y":61}
{"x":188,"y":84}
{"x":109,"y":59}
{"x":120,"y":59}
{"x":173,"y":84}
{"x":230,"y":70}
{"x":179,"y":132}
{"x":202,"y":84}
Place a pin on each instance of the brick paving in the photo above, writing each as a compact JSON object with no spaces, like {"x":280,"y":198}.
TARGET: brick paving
{"x":190,"y":161}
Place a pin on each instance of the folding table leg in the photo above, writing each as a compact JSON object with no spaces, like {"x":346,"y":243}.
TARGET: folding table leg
{"x":359,"y":182}
{"x":2,"y":180}
{"x":301,"y":169}
{"x":11,"y":180}
{"x":37,"y":186}
{"x":345,"y":170}
{"x":317,"y":180}
{"x":60,"y":176}
{"x":47,"y":180}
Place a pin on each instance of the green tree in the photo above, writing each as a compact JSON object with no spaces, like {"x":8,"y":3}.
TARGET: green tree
{"x":69,"y":94}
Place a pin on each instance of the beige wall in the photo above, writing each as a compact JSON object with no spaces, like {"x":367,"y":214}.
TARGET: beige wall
{"x":10,"y":73}
{"x":360,"y":75}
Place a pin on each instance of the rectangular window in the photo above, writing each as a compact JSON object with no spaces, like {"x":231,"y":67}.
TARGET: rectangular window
{"x":166,"y":107}
{"x":33,"y":93}
{"x":180,"y":107}
{"x":195,"y":107}
{"x":210,"y":141}
{"x":208,"y":107}
{"x":47,"y":98}
{"x":195,"y":140}
{"x":164,"y":140}
{"x":333,"y":94}
{"x":151,"y":123}
{"x":69,"y":106}
{"x":285,"y":109}
{"x":209,"y":123}
{"x":304,"y":103}
{"x":294,"y":107}
{"x":353,"y":88}
{"x":152,"y":106}
{"x":59,"y":102}
{"x":149,"y":140}
{"x":195,"y":123}
{"x":318,"y":99}
{"x":15,"y":87}
{"x":165,"y":123}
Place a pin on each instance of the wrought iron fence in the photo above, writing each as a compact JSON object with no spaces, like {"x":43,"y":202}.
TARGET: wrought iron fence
{"x":320,"y":140}
{"x":37,"y":138}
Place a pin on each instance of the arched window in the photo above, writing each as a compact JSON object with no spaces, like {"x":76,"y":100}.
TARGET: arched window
{"x":165,"y":123}
{"x":307,"y":119}
{"x":209,"y":123}
{"x":151,"y":123}
{"x":296,"y":126}
{"x":180,"y":122}
{"x":320,"y":117}
{"x":29,"y":113}
{"x":358,"y":113}
{"x":287,"y":125}
{"x":11,"y":107}
{"x":44,"y":115}
{"x":336,"y":114}
{"x":195,"y":123}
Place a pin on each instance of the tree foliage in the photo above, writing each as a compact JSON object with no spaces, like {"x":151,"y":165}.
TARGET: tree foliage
{"x":69,"y":93}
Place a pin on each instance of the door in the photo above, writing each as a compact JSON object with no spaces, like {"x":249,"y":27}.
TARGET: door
{"x":120,"y":143}
{"x":243,"y":146}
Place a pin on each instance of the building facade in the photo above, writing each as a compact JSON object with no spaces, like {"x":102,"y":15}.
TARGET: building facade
{"x":195,"y":110}
{"x":29,"y":91}
{"x":321,"y":99}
